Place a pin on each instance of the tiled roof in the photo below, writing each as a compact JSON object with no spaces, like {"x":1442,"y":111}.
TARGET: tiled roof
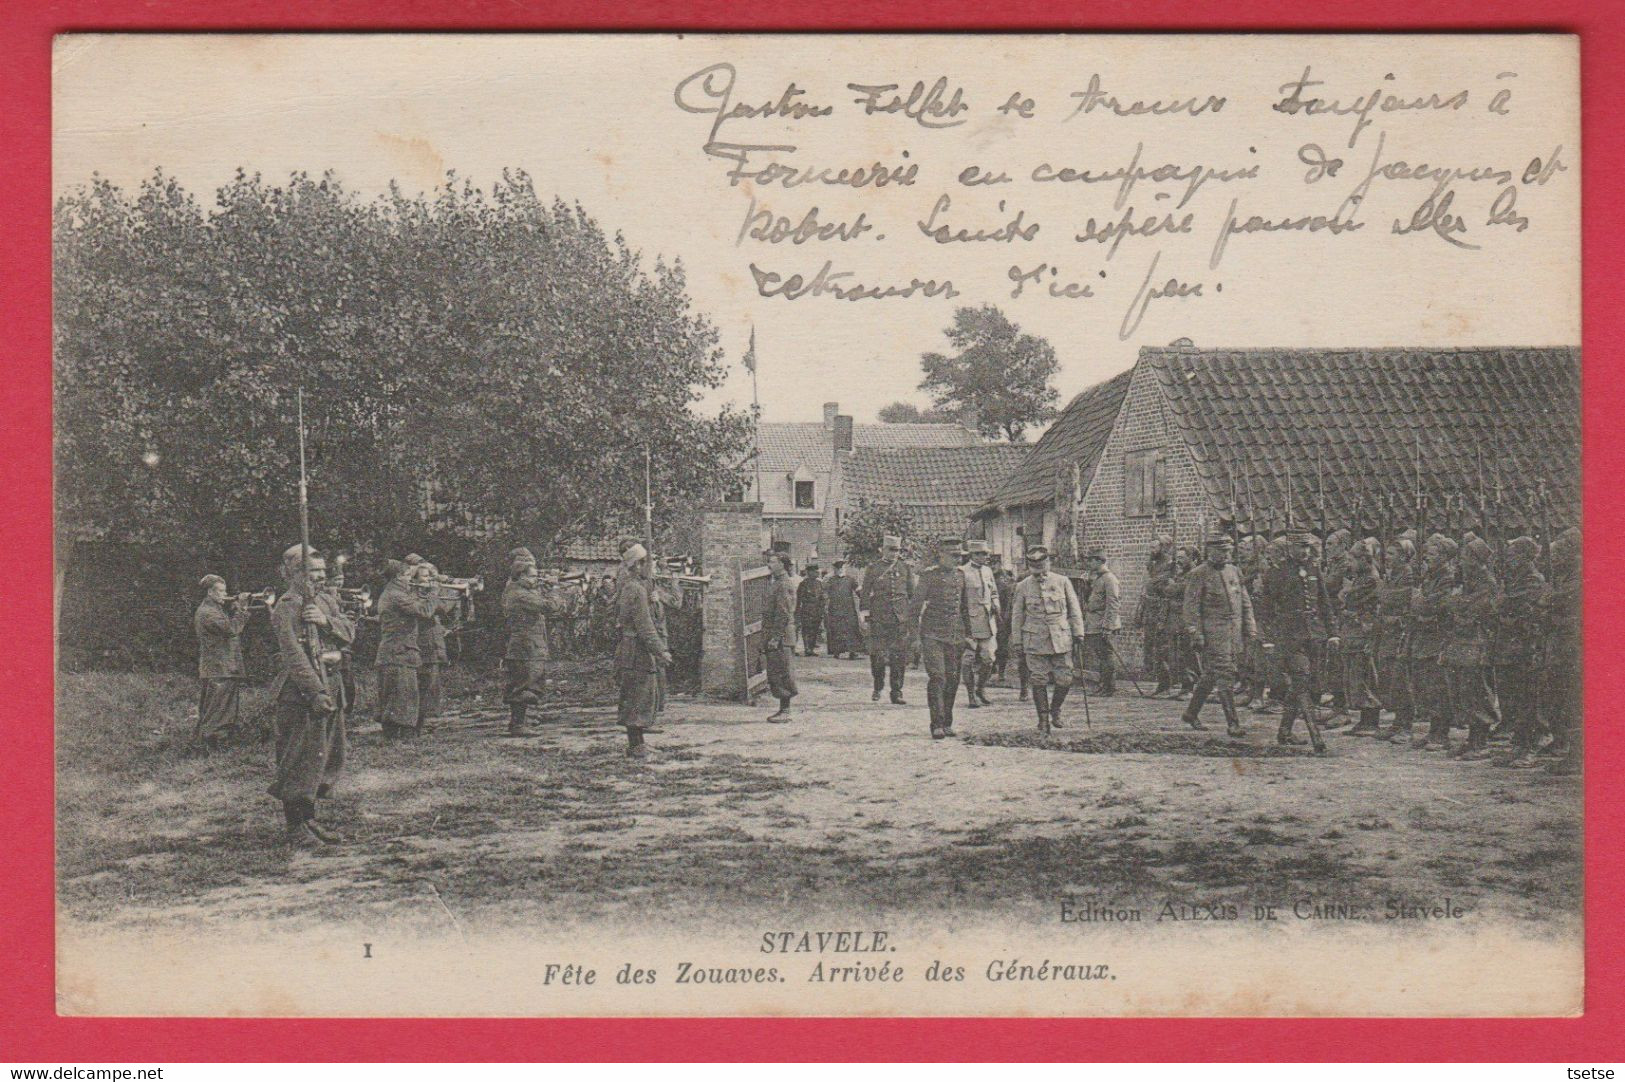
{"x":941,"y":487}
{"x":1078,"y":435}
{"x":1251,"y":415}
{"x":604,"y":549}
{"x":787,"y":446}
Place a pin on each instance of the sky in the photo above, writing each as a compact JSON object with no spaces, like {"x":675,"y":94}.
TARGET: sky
{"x":597,"y":119}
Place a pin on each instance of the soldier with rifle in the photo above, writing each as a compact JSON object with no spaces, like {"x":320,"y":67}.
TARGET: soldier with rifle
{"x":1561,"y":691}
{"x":1430,"y":684}
{"x":1470,"y":616}
{"x":1513,"y":649}
{"x":1302,"y":620}
{"x":1357,"y":627}
{"x":1218,"y":616}
{"x":1393,"y":636}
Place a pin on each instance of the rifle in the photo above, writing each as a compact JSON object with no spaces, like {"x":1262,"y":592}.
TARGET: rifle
{"x":1320,"y":498}
{"x":1543,"y":494}
{"x":313,"y":635}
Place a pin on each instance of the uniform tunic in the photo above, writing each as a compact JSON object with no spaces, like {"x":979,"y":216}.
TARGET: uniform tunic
{"x":432,"y":660}
{"x":1393,"y":642}
{"x":1045,"y":620}
{"x":525,"y":610}
{"x":887,"y":590}
{"x":779,"y":624}
{"x":310,"y":738}
{"x":219,"y":666}
{"x":841,"y":615}
{"x":1429,"y":681}
{"x":1470,"y":618}
{"x":1218,"y":609}
{"x":810,"y":610}
{"x":940,"y":612}
{"x":637,"y":652}
{"x":1357,"y":627}
{"x":1513,"y":653}
{"x":401,"y":609}
{"x":1301,"y":621}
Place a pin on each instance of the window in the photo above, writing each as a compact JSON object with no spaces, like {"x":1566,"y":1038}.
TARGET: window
{"x":804,"y":494}
{"x":1143,"y":483}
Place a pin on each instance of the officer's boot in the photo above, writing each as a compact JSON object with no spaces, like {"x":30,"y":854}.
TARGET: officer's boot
{"x":1198,"y":700}
{"x":1368,"y":724}
{"x":984,"y":672}
{"x":1313,"y":726}
{"x":878,"y":672}
{"x":967,"y":677}
{"x":1056,"y":699}
{"x":1041,"y":703}
{"x":1232,"y":720}
{"x":1289,"y":715}
{"x":896,"y":671}
{"x":516,"y":721}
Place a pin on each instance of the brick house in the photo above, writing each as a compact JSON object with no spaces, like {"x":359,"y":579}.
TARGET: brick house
{"x":1207,"y":432}
{"x":1023,"y":507}
{"x":940,"y":487}
{"x":803,"y":467}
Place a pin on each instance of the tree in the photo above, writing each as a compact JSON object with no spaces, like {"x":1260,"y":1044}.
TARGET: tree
{"x":996,"y":374}
{"x":907,"y":413}
{"x":488,"y":353}
{"x":865,"y":527}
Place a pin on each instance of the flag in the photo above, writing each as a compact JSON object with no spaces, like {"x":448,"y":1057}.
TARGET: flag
{"x":750,"y":354}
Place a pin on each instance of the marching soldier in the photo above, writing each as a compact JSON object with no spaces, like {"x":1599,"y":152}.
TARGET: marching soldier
{"x":1517,"y":611}
{"x":1430,"y":685}
{"x":1102,"y":617}
{"x":526,"y":608}
{"x":1335,"y":569}
{"x":1561,"y":689}
{"x":641,"y":649}
{"x":1174,"y":639}
{"x":310,"y":738}
{"x":841,"y":613}
{"x":939,"y":617}
{"x":780,"y":625}
{"x":1151,"y":617}
{"x":982,"y":619}
{"x":1470,"y":616}
{"x":1302,"y":617}
{"x":404,"y":605}
{"x":1218,"y":616}
{"x":810,"y":610}
{"x":888,"y":587}
{"x":1393,"y":639}
{"x":1357,"y":627}
{"x":1045,"y":621}
{"x":218,"y":625}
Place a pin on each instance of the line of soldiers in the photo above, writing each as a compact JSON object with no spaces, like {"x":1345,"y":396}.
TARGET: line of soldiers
{"x":1446,"y":635}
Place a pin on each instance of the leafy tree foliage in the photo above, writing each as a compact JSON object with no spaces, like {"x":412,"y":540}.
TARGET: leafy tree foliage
{"x":865,"y":527}
{"x":907,"y":413}
{"x":486,"y":354}
{"x":996,"y":375}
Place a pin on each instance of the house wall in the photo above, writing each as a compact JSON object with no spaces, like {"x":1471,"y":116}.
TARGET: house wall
{"x":1143,"y":423}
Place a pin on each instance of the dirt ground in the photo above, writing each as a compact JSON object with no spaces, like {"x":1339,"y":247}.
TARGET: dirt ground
{"x":851,"y":808}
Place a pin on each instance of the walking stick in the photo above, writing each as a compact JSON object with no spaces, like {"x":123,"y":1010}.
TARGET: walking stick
{"x":1123,"y":665}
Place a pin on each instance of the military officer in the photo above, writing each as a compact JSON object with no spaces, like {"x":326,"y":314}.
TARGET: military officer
{"x":218,"y":625}
{"x":1006,"y":585}
{"x":841,"y":613}
{"x":405,"y":605}
{"x":1102,"y":618}
{"x":982,"y":598}
{"x":888,"y":588}
{"x":310,"y":737}
{"x":1302,"y":615}
{"x":780,"y":626}
{"x":1357,"y":627}
{"x":1175,"y":641}
{"x":1046,"y":620}
{"x":1218,"y":616}
{"x":810,"y":609}
{"x":640,"y":649}
{"x":939,"y":618}
{"x":526,"y":608}
{"x":1429,"y":682}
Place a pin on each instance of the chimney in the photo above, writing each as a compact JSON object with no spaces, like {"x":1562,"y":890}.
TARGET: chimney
{"x":831,"y":411}
{"x":843,"y":432}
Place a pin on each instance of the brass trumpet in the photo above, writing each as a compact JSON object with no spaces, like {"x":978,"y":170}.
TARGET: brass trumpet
{"x":262,"y":600}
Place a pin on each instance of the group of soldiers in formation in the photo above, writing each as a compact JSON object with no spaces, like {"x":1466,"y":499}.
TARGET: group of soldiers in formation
{"x":1447,"y":634}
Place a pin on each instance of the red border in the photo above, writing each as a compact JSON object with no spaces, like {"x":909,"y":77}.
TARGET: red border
{"x":29,"y":1029}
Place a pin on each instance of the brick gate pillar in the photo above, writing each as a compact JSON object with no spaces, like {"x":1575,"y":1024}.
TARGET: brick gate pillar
{"x":721,"y":533}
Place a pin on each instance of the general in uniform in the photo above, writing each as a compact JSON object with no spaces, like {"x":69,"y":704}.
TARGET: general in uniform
{"x":1302,"y":618}
{"x":888,"y":588}
{"x":1045,"y":621}
{"x":940,"y":617}
{"x":1218,"y":616}
{"x":220,"y":673}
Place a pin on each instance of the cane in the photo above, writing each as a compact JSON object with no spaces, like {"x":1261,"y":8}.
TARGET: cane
{"x":1123,"y":665}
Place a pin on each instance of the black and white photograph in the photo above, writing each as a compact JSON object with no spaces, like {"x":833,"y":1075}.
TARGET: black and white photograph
{"x":558,"y":525}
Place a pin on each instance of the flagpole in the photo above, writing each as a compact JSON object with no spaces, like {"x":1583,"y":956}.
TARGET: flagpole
{"x":756,"y":403}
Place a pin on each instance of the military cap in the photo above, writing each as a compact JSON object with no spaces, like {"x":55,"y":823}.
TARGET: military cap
{"x":393,"y":568}
{"x":1038,"y":552}
{"x":1219,"y":539}
{"x":1477,"y":551}
{"x":519,"y":567}
{"x":951,"y":542}
{"x":975,"y":546}
{"x":412,"y":559}
{"x":1567,"y":543}
{"x":1443,"y":544}
{"x":291,"y":555}
{"x":633,"y":551}
{"x":839,"y":563}
{"x":1407,"y":535}
{"x":521,"y":555}
{"x":209,"y":580}
{"x":1523,"y":547}
{"x":891,"y":541}
{"x":1300,"y":537}
{"x":1096,"y":552}
{"x":810,"y":567}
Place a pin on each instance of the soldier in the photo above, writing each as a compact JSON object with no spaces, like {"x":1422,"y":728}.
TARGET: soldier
{"x":1252,"y":666}
{"x":1334,"y":566}
{"x":888,"y":588}
{"x":1430,"y":685}
{"x":332,"y":602}
{"x":526,"y":608}
{"x":1151,"y":617}
{"x":1174,"y":639}
{"x":1005,"y":583}
{"x":1302,"y":616}
{"x":218,"y":625}
{"x":1218,"y":616}
{"x":982,"y":617}
{"x":1357,"y":627}
{"x":1470,"y":616}
{"x":432,"y":655}
{"x":1517,"y":610}
{"x":1561,"y":688}
{"x":939,"y":618}
{"x":810,"y":610}
{"x":310,"y":739}
{"x":639,"y":652}
{"x":1102,"y":617}
{"x":1271,"y":682}
{"x":1046,"y":620}
{"x":841,"y":613}
{"x":780,"y":625}
{"x":403,"y":606}
{"x":1393,"y":639}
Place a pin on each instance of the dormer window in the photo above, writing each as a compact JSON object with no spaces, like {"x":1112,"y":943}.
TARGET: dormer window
{"x":804,"y":495}
{"x":802,"y":489}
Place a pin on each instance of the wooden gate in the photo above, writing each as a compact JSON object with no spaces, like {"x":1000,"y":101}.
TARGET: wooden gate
{"x":753,"y":591}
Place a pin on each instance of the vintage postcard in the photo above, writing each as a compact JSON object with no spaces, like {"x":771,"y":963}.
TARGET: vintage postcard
{"x":979,"y":525}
